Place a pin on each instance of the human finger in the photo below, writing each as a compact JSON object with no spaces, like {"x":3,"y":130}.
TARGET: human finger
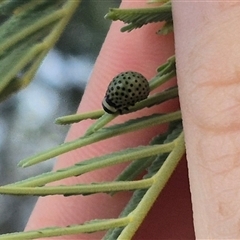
{"x":207,"y":54}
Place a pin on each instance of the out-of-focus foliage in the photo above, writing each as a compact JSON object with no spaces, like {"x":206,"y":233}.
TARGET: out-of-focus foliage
{"x":85,"y":34}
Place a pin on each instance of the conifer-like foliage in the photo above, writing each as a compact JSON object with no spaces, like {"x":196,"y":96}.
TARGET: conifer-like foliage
{"x":31,"y":29}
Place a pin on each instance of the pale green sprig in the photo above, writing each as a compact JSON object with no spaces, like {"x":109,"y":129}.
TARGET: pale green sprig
{"x":78,"y":189}
{"x":75,"y":118}
{"x":143,"y":199}
{"x":82,"y":167}
{"x":126,"y":225}
{"x":88,"y":227}
{"x":136,"y":167}
{"x":108,"y":132}
{"x":165,"y":73}
{"x":136,"y":18}
{"x":159,"y":1}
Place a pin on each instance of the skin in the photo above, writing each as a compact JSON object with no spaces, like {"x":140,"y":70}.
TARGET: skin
{"x":207,"y":53}
{"x":208,"y":76}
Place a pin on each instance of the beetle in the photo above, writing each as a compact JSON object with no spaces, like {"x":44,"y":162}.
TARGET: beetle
{"x":125,"y":90}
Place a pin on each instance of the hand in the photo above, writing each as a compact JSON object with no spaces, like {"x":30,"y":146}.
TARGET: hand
{"x":207,"y":53}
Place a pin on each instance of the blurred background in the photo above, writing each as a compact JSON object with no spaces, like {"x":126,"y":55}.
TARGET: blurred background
{"x":27,"y":118}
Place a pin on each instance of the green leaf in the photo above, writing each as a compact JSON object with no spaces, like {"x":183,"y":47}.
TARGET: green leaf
{"x":137,"y":167}
{"x":9,"y":6}
{"x":26,"y":36}
{"x":136,"y":18}
{"x":159,"y":1}
{"x":102,"y":134}
{"x":166,"y":28}
{"x":82,"y":167}
{"x":88,"y":227}
{"x":143,"y":199}
{"x":74,"y":118}
{"x":78,"y":189}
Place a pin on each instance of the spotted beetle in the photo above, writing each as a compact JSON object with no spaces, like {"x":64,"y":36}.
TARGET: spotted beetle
{"x":126,"y":89}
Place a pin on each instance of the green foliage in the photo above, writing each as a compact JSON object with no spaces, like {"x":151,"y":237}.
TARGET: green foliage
{"x":159,"y":171}
{"x":136,"y":18}
{"x":157,"y":160}
{"x":29,"y":32}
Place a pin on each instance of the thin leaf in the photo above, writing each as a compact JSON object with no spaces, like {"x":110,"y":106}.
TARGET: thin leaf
{"x":166,"y":28}
{"x":102,"y":134}
{"x":136,"y":18}
{"x":88,"y":227}
{"x":142,"y":200}
{"x":74,"y":118}
{"x":137,"y":167}
{"x":92,"y":164}
{"x":78,"y":189}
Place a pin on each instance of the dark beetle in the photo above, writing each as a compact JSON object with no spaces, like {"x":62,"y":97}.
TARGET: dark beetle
{"x":126,"y":89}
